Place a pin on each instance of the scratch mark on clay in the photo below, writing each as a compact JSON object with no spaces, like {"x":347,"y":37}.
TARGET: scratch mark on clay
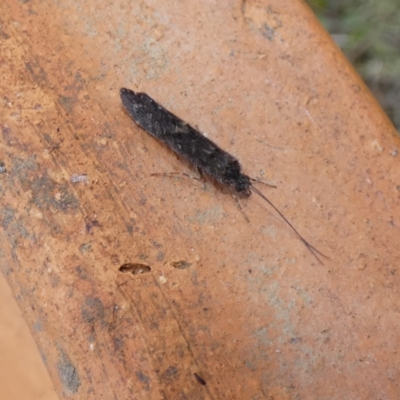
{"x":309,"y":116}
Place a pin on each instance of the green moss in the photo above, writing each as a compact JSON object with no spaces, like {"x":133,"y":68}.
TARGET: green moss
{"x":368,"y":33}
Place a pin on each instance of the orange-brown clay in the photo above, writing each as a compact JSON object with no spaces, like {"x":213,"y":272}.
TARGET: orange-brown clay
{"x":252,"y":313}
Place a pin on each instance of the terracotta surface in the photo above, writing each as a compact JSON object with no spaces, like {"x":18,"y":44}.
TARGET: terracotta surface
{"x":253,"y":314}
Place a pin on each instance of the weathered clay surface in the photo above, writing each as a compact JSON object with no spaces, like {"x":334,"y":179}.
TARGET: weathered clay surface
{"x":252,"y":313}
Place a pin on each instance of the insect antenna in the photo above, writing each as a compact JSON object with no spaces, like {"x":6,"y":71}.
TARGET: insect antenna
{"x":264,"y":183}
{"x":309,"y":246}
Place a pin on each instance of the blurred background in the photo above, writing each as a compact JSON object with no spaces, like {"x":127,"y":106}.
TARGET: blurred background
{"x":368,"y":32}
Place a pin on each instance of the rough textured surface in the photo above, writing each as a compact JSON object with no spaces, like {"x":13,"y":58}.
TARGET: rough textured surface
{"x":253,"y":314}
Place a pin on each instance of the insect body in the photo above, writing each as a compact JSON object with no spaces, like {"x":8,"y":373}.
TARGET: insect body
{"x":186,"y":141}
{"x":200,"y":151}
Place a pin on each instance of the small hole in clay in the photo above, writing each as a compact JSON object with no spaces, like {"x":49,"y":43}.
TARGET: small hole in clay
{"x":200,"y":379}
{"x":182,"y":264}
{"x":134,"y":268}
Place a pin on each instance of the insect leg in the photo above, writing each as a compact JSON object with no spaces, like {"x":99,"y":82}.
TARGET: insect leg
{"x":240,"y":207}
{"x":175,"y":173}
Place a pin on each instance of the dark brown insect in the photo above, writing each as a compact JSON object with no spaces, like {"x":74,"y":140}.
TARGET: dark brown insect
{"x":200,"y":151}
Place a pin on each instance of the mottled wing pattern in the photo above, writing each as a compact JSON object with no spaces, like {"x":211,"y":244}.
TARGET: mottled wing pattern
{"x":180,"y":136}
{"x":196,"y":148}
